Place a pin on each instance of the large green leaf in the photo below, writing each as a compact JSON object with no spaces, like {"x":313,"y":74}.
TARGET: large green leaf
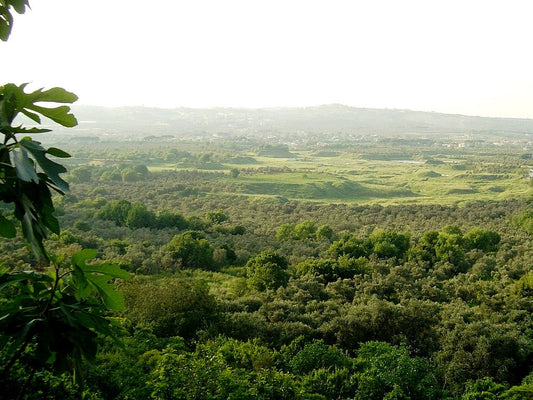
{"x":34,"y":209}
{"x":23,"y":277}
{"x":49,"y":167}
{"x":96,"y":277}
{"x":34,"y":117}
{"x":18,"y":5}
{"x":57,"y":152}
{"x":21,"y":129}
{"x":78,"y":315}
{"x":54,"y":95}
{"x":81,"y":257}
{"x":7,"y":229}
{"x":6,"y":23}
{"x":46,"y":209}
{"x":24,"y":166}
{"x":15,"y":100}
{"x":32,"y":230}
{"x":60,"y":115}
{"x":112,"y":298}
{"x":109,"y":269}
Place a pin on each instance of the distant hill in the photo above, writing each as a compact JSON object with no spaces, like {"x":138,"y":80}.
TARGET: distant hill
{"x":333,"y":120}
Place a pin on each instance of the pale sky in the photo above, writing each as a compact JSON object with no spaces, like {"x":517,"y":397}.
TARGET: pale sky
{"x":468,"y":57}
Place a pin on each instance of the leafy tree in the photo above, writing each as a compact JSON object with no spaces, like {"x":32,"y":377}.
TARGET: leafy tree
{"x":425,"y":248}
{"x":67,"y":237}
{"x":525,"y":221}
{"x":171,"y":306}
{"x":319,"y":267}
{"x":116,"y":211}
{"x":82,"y":226}
{"x":350,"y":246}
{"x":196,"y":223}
{"x":228,"y":254}
{"x":285,"y":232}
{"x":135,"y":173}
{"x":482,"y":239}
{"x":483,"y":389}
{"x":112,"y":175}
{"x":267,"y":270}
{"x":389,"y":372}
{"x":386,"y":244}
{"x":191,"y":250}
{"x":237,"y":230}
{"x":305,"y":230}
{"x":450,"y":247}
{"x":122,"y":372}
{"x":474,"y":346}
{"x":168,"y":219}
{"x":234,"y":172}
{"x":324,"y":232}
{"x":216,"y":217}
{"x":316,"y":355}
{"x":80,"y":174}
{"x":328,"y":383}
{"x":524,"y":286}
{"x":331,"y":270}
{"x":524,"y":391}
{"x":139,"y":217}
{"x":211,"y":372}
{"x":141,"y":169}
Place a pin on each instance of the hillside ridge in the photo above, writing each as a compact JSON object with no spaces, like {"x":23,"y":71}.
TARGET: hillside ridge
{"x":330,"y":120}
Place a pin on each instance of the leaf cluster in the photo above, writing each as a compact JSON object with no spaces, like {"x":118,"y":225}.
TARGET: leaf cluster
{"x":58,"y":314}
{"x":27,"y":174}
{"x":6,"y":15}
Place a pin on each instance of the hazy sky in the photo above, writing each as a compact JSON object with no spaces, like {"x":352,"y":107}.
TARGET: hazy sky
{"x":469,"y":57}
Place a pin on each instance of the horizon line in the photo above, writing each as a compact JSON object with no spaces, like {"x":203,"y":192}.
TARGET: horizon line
{"x":296,"y":107}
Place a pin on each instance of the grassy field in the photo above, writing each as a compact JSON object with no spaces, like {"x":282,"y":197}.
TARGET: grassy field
{"x":364,"y":178}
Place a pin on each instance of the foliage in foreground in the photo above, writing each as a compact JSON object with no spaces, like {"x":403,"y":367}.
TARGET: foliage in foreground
{"x":50,"y":314}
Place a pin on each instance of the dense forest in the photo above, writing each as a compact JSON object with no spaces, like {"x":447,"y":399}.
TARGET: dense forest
{"x":237,"y":293}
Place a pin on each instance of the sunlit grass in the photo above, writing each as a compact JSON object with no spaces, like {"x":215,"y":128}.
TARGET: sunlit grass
{"x":363,"y":178}
{"x":349,"y":178}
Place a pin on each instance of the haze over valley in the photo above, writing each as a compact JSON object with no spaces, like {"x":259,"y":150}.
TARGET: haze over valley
{"x":322,"y":123}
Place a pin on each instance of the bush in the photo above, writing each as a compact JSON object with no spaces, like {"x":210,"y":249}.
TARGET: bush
{"x":267,"y":270}
{"x":171,"y":306}
{"x":191,"y":250}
